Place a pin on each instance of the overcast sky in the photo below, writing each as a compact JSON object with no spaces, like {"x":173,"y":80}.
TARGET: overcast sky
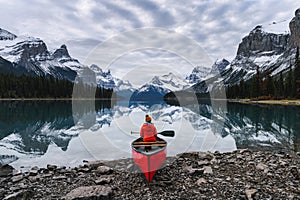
{"x":218,"y":26}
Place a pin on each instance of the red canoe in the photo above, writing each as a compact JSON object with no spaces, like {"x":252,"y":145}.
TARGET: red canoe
{"x":149,"y":156}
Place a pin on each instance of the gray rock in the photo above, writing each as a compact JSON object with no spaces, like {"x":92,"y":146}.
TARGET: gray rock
{"x":203,"y":163}
{"x":129,"y":166}
{"x":18,"y":178}
{"x":295,"y":172}
{"x":59,"y":177}
{"x":34,"y":178}
{"x":207,"y":170}
{"x":261,"y":166}
{"x":95,"y":164}
{"x":84,"y":169}
{"x":104,"y":170}
{"x":201,"y":181}
{"x":260,"y":41}
{"x":295,"y":30}
{"x":250,"y":193}
{"x":90,"y":192}
{"x":102,"y":181}
{"x":23,"y":194}
{"x":51,"y":167}
{"x":33,"y":172}
{"x":6,"y":170}
{"x":35,"y":168}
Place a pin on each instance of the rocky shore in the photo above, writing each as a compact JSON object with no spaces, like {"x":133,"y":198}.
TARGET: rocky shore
{"x":242,"y":174}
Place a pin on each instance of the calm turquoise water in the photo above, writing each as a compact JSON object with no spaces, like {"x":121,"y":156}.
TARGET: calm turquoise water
{"x":35,"y":133}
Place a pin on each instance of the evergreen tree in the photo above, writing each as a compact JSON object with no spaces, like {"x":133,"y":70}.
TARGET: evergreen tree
{"x":288,"y":84}
{"x":270,"y":87}
{"x":297,"y":75}
{"x":242,"y":89}
{"x":281,"y":86}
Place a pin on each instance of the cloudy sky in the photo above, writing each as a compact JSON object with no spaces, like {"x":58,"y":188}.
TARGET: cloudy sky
{"x":218,"y":26}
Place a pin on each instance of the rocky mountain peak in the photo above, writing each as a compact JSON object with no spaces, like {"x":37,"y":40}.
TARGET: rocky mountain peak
{"x":259,"y":41}
{"x":198,"y":74}
{"x":61,"y":52}
{"x":219,"y":66}
{"x":6,"y":35}
{"x":295,"y":29}
{"x":257,"y":30}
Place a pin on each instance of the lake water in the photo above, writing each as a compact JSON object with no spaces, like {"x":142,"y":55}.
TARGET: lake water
{"x":36,"y":133}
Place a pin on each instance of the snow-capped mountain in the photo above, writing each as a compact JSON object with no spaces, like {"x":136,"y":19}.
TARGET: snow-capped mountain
{"x":198,"y":74}
{"x":30,"y":56}
{"x":103,"y":79}
{"x":219,"y":67}
{"x":169,"y":82}
{"x":6,"y":35}
{"x":270,"y":51}
{"x":201,"y":73}
{"x":158,"y":87}
{"x":122,"y":88}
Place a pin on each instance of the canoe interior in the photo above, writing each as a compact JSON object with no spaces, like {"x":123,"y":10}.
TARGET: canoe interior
{"x":149,"y":161}
{"x":156,"y":147}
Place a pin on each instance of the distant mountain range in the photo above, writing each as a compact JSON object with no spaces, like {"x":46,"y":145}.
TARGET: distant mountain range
{"x":271,"y":52}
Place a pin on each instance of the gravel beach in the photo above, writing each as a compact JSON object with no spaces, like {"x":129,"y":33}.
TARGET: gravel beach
{"x":243,"y":174}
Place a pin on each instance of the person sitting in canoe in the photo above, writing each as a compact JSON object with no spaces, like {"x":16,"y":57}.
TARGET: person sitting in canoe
{"x":148,"y":131}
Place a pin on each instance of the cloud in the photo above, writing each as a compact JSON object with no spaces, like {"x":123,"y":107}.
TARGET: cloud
{"x":218,"y":26}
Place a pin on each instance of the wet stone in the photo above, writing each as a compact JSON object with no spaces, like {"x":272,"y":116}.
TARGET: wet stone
{"x":104,"y":170}
{"x":34,"y":178}
{"x":103,"y":181}
{"x":33,"y":172}
{"x":51,"y":167}
{"x":90,"y":192}
{"x":250,"y":193}
{"x":203,"y":163}
{"x":18,"y":178}
{"x":207,"y":170}
{"x":261,"y":166}
{"x":23,"y":194}
{"x":59,"y":177}
{"x":201,"y":181}
{"x":295,"y":172}
{"x":95,"y":164}
{"x":5,"y":170}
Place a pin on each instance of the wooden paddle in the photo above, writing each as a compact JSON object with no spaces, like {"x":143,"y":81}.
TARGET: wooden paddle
{"x":168,"y":133}
{"x":149,"y":145}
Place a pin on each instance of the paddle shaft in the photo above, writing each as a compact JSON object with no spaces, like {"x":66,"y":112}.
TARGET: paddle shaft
{"x":164,"y":133}
{"x":149,"y":145}
{"x":156,"y":142}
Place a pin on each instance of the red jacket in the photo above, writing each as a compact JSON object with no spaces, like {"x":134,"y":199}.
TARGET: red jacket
{"x":148,"y":132}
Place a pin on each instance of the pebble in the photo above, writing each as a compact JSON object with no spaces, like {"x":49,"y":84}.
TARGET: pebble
{"x":90,"y":192}
{"x":51,"y":167}
{"x":201,"y":181}
{"x":250,"y":193}
{"x":103,"y":181}
{"x":17,"y":178}
{"x":207,"y":170}
{"x":104,"y":170}
{"x":241,"y":174}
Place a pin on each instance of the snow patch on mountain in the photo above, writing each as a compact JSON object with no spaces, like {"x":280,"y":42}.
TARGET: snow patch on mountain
{"x":107,"y":80}
{"x":6,"y":35}
{"x":198,"y":74}
{"x":31,"y":54}
{"x":169,"y":82}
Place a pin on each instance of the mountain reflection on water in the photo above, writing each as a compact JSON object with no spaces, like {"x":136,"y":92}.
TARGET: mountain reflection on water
{"x":41,"y":132}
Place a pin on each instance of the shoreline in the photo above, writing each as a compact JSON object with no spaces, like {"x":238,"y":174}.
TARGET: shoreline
{"x":285,"y":102}
{"x":56,"y":99}
{"x":242,"y":174}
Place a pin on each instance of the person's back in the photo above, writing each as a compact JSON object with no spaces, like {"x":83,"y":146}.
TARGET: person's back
{"x":148,"y":131}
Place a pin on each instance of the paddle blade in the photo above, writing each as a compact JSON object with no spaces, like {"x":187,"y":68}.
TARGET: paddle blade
{"x":167,"y":133}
